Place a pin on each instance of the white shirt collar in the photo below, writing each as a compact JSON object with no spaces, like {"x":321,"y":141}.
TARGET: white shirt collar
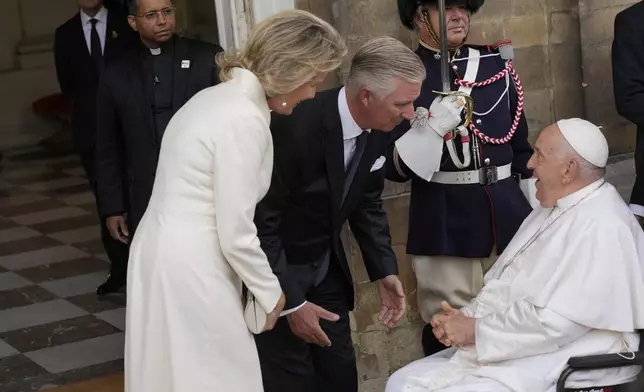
{"x":101,"y":16}
{"x":350,"y":129}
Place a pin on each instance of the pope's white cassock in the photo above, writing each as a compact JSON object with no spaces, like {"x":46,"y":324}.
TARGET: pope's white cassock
{"x":570,"y":283}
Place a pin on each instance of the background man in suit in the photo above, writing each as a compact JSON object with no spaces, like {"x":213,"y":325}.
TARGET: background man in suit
{"x":83,"y":46}
{"x":329,"y":169}
{"x":137,"y":97}
{"x":628,"y":85}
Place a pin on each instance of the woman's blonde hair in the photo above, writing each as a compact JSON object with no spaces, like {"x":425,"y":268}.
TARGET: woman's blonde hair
{"x":286,"y":51}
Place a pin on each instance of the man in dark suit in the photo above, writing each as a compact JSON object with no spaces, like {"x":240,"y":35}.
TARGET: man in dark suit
{"x":628,"y":84}
{"x":137,"y":97}
{"x":83,"y":46}
{"x":328,"y":170}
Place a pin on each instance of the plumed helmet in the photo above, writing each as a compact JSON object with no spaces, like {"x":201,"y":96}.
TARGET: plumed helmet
{"x":407,"y":8}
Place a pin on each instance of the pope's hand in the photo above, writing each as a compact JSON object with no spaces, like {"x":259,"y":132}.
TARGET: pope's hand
{"x":445,"y":114}
{"x":305,"y":324}
{"x":392,"y":300}
{"x":453,"y":328}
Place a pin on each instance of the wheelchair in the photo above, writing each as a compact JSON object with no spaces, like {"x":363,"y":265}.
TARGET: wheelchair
{"x":605,"y":361}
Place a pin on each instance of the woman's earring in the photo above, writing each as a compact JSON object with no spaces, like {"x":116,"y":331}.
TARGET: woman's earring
{"x":283,"y":103}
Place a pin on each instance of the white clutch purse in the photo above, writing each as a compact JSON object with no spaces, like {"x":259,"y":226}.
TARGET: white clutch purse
{"x":254,"y":314}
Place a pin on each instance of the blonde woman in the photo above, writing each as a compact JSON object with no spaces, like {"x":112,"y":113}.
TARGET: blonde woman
{"x":197,"y":242}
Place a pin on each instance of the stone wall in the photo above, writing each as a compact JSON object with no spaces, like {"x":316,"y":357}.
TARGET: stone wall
{"x":26,"y":65}
{"x":547,"y":43}
{"x":556,"y":55}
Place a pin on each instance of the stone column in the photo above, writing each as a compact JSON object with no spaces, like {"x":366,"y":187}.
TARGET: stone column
{"x":10,"y":34}
{"x":26,"y":65}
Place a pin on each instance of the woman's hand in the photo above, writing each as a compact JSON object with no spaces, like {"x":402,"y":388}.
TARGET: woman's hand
{"x":273,"y":316}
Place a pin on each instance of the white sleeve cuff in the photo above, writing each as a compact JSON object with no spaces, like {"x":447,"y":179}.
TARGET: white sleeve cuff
{"x":421,"y":150}
{"x":637,"y":209}
{"x":289,"y":311}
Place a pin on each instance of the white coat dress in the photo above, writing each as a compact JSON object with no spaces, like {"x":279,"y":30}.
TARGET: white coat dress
{"x":197,"y":242}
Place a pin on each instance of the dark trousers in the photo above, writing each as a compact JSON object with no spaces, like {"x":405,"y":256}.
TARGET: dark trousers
{"x":117,"y":251}
{"x":289,"y":364}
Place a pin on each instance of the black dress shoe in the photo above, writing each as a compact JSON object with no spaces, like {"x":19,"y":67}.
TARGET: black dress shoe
{"x":431,"y":345}
{"x":113,"y":284}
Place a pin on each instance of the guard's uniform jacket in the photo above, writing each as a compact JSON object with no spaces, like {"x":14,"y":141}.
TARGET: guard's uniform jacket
{"x":467,"y":220}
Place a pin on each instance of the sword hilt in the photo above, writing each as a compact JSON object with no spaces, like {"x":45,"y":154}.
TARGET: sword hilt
{"x":468,"y":104}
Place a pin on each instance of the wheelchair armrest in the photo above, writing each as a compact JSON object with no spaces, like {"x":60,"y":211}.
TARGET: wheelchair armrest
{"x":593,"y":362}
{"x":604,"y":361}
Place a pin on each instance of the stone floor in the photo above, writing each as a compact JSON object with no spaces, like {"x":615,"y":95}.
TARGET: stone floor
{"x":54,"y":331}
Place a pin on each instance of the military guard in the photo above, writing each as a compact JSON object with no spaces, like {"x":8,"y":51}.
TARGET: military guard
{"x":466,"y":199}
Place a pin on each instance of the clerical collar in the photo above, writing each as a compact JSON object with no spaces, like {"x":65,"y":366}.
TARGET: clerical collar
{"x":163,"y":48}
{"x":576,"y":197}
{"x":350,"y":128}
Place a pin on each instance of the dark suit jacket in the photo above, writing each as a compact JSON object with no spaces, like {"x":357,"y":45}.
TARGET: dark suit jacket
{"x":628,"y":82}
{"x":301,"y":217}
{"x":126,"y":125}
{"x":77,"y":77}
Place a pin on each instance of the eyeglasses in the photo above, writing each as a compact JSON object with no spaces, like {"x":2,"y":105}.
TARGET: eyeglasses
{"x":153,"y":16}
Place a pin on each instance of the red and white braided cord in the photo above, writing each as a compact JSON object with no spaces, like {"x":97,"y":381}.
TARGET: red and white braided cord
{"x":517,"y":117}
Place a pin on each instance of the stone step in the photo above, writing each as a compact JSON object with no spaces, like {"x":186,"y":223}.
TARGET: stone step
{"x":36,"y":52}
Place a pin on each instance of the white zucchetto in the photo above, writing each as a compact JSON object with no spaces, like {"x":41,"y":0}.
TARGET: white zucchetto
{"x":586,"y":139}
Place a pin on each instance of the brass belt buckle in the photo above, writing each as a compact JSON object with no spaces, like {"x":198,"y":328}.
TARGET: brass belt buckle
{"x":488,"y":175}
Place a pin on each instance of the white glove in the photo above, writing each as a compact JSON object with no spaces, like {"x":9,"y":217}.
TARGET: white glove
{"x":445,"y":114}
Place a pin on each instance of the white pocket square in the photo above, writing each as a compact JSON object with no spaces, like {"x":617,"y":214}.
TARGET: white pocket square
{"x":378,"y":164}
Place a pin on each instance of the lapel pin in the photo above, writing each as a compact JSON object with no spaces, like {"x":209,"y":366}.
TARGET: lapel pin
{"x":185,"y":63}
{"x":115,"y":35}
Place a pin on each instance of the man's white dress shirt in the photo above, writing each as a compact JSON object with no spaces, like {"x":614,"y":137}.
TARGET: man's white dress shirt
{"x":101,"y":28}
{"x":350,"y":129}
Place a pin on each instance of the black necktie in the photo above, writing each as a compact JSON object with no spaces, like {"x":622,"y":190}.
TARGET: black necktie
{"x":95,"y":47}
{"x":361,"y":141}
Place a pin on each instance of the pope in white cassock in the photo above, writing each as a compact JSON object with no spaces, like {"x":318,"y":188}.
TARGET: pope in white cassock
{"x":570,"y":283}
